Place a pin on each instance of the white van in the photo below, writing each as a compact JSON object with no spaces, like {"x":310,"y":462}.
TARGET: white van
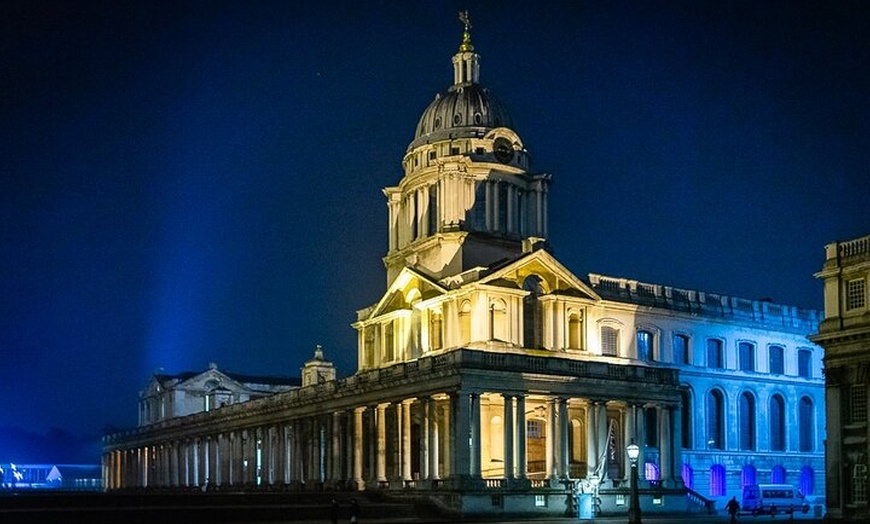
{"x":770,"y":499}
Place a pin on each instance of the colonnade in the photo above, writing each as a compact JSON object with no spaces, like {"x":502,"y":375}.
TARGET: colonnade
{"x":442,"y":440}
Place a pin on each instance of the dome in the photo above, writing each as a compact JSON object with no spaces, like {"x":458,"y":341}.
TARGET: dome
{"x":464,"y":110}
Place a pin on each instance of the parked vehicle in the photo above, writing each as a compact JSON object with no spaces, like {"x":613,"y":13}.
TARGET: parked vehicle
{"x":770,"y":499}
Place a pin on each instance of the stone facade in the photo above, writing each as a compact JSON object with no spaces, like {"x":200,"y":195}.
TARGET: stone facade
{"x":491,"y":379}
{"x":845,"y":335}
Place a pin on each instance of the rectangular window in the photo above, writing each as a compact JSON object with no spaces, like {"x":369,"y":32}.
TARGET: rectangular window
{"x":805,"y":363}
{"x":746,"y":355}
{"x":858,"y":404}
{"x":855,"y":293}
{"x":609,"y":341}
{"x":681,"y":349}
{"x":540,"y":501}
{"x":714,"y":354}
{"x":777,"y":365}
{"x":644,"y":345}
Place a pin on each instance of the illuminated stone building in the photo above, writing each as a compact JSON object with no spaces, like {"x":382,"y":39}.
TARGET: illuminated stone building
{"x":492,"y":379}
{"x":845,"y":335}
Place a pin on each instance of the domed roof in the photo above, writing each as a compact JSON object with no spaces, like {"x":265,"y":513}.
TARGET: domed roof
{"x":467,"y":108}
{"x":463,"y":110}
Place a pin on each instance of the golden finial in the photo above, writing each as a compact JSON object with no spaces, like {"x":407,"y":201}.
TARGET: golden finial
{"x":466,"y":33}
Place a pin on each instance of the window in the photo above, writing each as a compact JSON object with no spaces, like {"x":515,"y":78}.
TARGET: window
{"x":681,"y":349}
{"x":746,"y":356}
{"x":465,"y":322}
{"x":651,"y":424}
{"x":805,"y":423}
{"x":651,"y":472}
{"x":644,"y":345}
{"x":747,"y":476}
{"x":747,"y":421}
{"x":686,"y":418}
{"x":859,"y":484}
{"x":777,"y":423}
{"x":432,"y":155}
{"x":575,"y":330}
{"x":533,"y":314}
{"x":534,"y":429}
{"x":858,"y":404}
{"x":714,"y":354}
{"x":688,"y":476}
{"x":435,"y":333}
{"x":433,"y":210}
{"x":805,"y":363}
{"x":389,"y":341}
{"x":609,"y":341}
{"x":777,"y":363}
{"x":717,"y":480}
{"x":715,"y":420}
{"x":498,"y":320}
{"x":855,"y":292}
{"x":777,"y":475}
{"x":806,"y":484}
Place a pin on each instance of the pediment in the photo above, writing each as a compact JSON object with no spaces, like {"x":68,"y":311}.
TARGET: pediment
{"x":407,"y":288}
{"x":210,"y":379}
{"x":555,"y":277}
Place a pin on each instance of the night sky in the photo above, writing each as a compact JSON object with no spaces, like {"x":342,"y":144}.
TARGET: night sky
{"x":193,"y":182}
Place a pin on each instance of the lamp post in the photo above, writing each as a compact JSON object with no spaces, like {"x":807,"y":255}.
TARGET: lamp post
{"x":634,"y":501}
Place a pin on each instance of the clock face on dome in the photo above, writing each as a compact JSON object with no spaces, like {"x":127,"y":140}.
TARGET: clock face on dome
{"x":503,"y":150}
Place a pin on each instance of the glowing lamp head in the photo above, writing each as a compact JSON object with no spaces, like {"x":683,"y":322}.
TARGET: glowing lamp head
{"x":633,"y":451}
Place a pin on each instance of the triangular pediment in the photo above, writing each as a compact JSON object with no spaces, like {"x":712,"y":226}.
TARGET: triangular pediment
{"x":555,"y":277}
{"x":408,"y":287}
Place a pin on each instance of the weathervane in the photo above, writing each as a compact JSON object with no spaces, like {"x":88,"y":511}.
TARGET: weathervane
{"x":466,"y":33}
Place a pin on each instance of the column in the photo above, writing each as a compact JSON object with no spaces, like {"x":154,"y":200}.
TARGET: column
{"x":508,"y":436}
{"x":358,"y":447}
{"x":564,"y":471}
{"x":475,"y":435}
{"x":667,"y":472}
{"x":406,"y":439}
{"x":445,"y":442}
{"x":552,"y":435}
{"x":434,"y":429}
{"x":629,"y":419}
{"x":677,"y":445}
{"x":602,"y":426}
{"x":522,"y":463}
{"x":336,"y":446}
{"x":591,"y":439}
{"x":381,"y":423}
{"x":460,"y":448}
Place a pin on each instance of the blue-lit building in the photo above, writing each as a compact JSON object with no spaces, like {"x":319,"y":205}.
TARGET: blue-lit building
{"x":492,"y":379}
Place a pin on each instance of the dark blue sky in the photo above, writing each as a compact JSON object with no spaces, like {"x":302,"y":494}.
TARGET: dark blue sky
{"x":188,"y":182}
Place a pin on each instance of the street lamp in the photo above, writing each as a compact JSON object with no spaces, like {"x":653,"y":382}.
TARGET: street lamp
{"x":633,"y":451}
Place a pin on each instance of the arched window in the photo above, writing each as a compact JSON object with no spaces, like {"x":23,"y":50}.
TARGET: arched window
{"x":578,"y":441}
{"x":465,"y":322}
{"x":777,"y":423}
{"x":498,"y":320}
{"x":688,"y":476}
{"x":747,"y":476}
{"x":806,"y":484}
{"x":747,"y":421}
{"x":575,"y":330}
{"x":805,"y":363}
{"x":681,"y":350}
{"x":717,"y":480}
{"x":644,"y":345}
{"x":651,"y":471}
{"x":609,"y":341}
{"x":746,"y":356}
{"x":686,"y":418}
{"x":776,"y":361}
{"x":714,"y":354}
{"x":435,"y":330}
{"x":777,"y":475}
{"x":715,"y":420}
{"x":805,"y":423}
{"x":533,"y":314}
